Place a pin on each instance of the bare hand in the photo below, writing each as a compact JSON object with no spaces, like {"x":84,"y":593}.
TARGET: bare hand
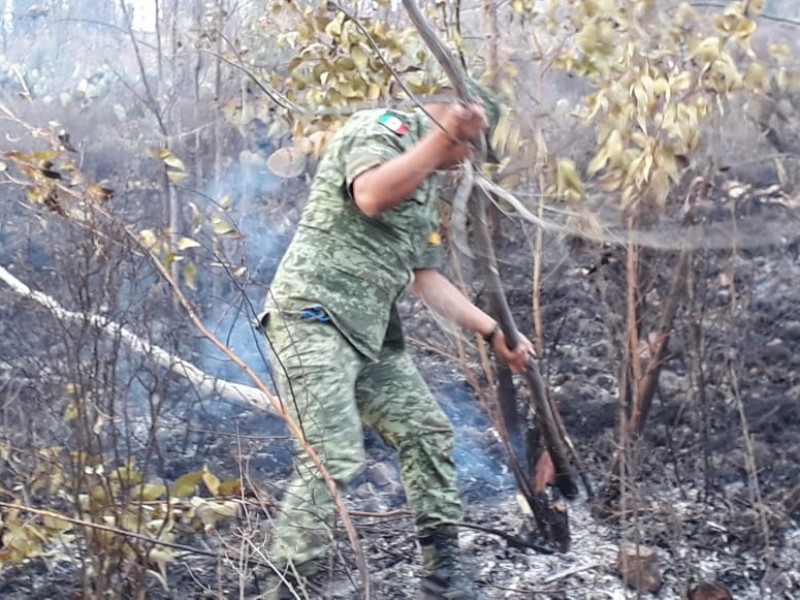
{"x":464,"y":123}
{"x":517,"y":359}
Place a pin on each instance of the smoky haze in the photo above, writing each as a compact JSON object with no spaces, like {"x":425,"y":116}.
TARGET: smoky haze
{"x":121,"y":93}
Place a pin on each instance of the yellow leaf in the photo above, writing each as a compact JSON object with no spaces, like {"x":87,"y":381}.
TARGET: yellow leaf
{"x":97,"y":192}
{"x":567,"y":178}
{"x":373,"y":91}
{"x":173,"y":161}
{"x":708,"y":50}
{"x":226,"y":202}
{"x":148,"y":239}
{"x":99,"y":494}
{"x":755,"y":76}
{"x":71,"y":413}
{"x":598,"y":163}
{"x":660,"y":187}
{"x":186,"y":485}
{"x":212,"y":482}
{"x":185,"y":243}
{"x":35,"y":194}
{"x":334,"y":28}
{"x":230,"y":487}
{"x":220,"y":226}
{"x":177,"y":176}
{"x":44,"y":157}
{"x":126,"y":476}
{"x":360,"y":58}
{"x":56,"y":524}
{"x":190,"y":275}
{"x":160,"y":555}
{"x":226,"y":510}
{"x":781,"y":52}
{"x":148,"y":492}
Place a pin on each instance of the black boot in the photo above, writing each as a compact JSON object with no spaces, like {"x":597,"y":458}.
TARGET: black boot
{"x":441,"y":563}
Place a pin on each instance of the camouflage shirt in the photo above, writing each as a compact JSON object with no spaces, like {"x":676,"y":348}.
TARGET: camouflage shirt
{"x":354,"y":266}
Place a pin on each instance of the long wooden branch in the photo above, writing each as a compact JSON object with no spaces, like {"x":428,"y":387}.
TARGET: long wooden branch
{"x":499,"y":305}
{"x":206,"y":384}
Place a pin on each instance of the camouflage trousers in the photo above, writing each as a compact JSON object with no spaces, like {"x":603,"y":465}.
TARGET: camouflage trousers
{"x":329,"y":388}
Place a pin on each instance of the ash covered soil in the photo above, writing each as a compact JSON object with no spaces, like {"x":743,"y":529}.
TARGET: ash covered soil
{"x":693,"y":494}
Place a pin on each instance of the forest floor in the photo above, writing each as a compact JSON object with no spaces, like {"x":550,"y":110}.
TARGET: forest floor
{"x":692,"y":496}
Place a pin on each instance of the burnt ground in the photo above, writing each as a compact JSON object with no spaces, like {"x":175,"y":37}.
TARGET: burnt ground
{"x":728,"y":402}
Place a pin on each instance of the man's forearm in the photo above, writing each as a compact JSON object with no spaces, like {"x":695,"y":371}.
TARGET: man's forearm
{"x":446,"y":300}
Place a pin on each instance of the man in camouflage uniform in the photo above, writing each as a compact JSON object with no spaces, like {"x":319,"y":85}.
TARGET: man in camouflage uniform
{"x":370,"y":232}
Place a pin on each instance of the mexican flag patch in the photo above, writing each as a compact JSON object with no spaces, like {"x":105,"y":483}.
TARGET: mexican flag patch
{"x":394,"y":123}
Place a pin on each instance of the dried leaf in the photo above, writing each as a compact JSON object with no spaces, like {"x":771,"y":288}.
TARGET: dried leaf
{"x":149,"y":239}
{"x":212,"y":482}
{"x":185,"y":243}
{"x":220,"y":226}
{"x":230,"y":487}
{"x":186,"y":485}
{"x":148,"y":492}
{"x":287,"y":162}
{"x":173,"y":161}
{"x":190,"y":275}
{"x":96,"y":191}
{"x":176,"y":176}
{"x":56,"y":524}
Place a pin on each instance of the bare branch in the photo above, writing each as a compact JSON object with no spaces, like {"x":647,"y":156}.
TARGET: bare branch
{"x":205,"y":383}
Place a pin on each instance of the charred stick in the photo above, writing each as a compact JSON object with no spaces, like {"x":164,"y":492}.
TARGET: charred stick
{"x":544,"y":412}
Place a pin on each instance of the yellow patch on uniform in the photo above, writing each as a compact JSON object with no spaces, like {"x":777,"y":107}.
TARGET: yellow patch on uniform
{"x":435,"y":239}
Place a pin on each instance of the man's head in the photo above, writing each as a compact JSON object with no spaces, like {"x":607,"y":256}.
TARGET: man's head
{"x":490,"y":105}
{"x":480,"y":94}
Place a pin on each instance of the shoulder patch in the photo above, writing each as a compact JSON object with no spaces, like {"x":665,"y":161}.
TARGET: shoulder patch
{"x":435,"y":239}
{"x":393,"y":123}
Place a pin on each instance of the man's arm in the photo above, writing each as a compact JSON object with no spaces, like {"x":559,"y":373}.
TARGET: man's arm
{"x":383,"y":187}
{"x":446,"y":300}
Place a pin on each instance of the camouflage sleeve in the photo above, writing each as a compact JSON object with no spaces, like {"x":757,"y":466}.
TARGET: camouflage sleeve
{"x":369,"y":146}
{"x":432,"y":255}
